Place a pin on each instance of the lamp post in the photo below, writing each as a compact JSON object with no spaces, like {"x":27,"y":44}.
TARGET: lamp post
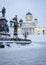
{"x":25,"y":35}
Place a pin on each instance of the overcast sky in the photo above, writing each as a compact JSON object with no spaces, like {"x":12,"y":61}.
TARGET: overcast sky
{"x":21,"y":7}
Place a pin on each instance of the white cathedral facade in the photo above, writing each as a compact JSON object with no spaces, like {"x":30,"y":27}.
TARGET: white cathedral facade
{"x":30,"y":26}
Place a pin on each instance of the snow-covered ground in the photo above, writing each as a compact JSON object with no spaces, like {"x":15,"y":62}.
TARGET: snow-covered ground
{"x":35,"y":38}
{"x":32,"y":54}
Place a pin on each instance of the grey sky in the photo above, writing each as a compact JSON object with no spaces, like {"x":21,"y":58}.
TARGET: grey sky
{"x":21,"y":7}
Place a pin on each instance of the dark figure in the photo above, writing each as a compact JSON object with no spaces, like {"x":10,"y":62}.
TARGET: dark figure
{"x":15,"y":18}
{"x":25,"y":35}
{"x":43,"y":32}
{"x":3,"y":11}
{"x":20,"y":22}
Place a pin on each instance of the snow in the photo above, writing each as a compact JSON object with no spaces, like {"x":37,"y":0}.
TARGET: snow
{"x":35,"y":38}
{"x":11,"y":31}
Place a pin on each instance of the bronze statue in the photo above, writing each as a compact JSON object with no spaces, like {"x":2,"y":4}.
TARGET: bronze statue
{"x":3,"y":11}
{"x":15,"y":26}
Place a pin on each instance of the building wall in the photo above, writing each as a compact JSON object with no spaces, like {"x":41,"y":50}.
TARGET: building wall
{"x":33,"y":31}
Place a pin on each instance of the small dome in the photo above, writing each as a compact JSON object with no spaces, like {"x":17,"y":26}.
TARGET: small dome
{"x":35,"y":19}
{"x":29,"y":13}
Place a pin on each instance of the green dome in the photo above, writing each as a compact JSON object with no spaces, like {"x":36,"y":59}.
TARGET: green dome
{"x":29,"y":13}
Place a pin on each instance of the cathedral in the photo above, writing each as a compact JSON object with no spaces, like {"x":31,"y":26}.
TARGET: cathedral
{"x":30,"y":26}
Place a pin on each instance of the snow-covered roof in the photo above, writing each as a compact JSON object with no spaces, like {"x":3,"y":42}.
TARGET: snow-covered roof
{"x":3,"y":18}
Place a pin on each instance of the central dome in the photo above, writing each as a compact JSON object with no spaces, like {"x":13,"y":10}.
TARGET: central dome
{"x":29,"y":17}
{"x":29,"y":13}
